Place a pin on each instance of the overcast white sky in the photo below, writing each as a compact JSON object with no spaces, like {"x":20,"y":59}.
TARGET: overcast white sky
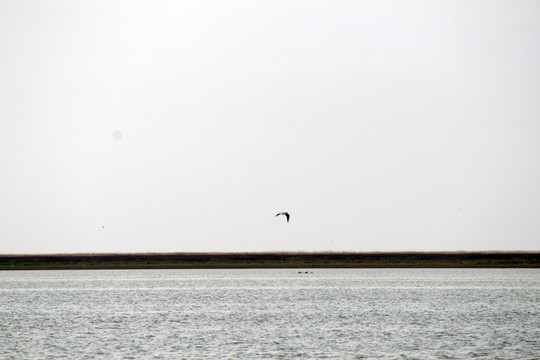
{"x":130,"y":126}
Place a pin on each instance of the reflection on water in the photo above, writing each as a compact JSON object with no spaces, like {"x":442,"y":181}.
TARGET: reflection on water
{"x":246,"y":314}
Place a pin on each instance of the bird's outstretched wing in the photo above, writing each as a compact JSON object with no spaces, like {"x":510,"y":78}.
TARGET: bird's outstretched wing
{"x":284,"y":213}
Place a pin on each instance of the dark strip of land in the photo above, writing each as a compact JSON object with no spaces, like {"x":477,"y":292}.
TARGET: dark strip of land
{"x":492,"y":259}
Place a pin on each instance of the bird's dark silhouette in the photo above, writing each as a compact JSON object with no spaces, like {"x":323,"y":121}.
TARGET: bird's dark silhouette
{"x":284,"y":213}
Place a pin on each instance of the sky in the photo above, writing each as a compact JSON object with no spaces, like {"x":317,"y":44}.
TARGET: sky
{"x":185,"y":126}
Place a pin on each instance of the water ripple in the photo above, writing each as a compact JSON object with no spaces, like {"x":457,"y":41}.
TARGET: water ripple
{"x":271,"y":314}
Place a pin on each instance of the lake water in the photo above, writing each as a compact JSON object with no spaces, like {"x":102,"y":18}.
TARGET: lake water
{"x":272,"y":314}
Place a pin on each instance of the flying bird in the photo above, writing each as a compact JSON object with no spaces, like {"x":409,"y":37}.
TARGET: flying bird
{"x":284,"y":213}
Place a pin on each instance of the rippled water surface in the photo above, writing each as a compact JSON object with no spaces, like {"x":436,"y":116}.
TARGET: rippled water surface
{"x":248,"y":314}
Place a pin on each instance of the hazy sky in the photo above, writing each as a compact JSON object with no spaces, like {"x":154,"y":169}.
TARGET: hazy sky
{"x":130,"y":126}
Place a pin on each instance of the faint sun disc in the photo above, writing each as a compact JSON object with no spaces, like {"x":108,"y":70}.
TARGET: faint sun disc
{"x":117,"y":135}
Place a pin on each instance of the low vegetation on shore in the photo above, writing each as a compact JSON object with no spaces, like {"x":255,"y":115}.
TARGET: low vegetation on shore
{"x":530,"y":259}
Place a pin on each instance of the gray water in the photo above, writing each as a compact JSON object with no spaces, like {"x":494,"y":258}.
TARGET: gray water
{"x":273,"y":314}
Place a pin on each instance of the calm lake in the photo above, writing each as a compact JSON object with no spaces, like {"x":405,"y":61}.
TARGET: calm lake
{"x":271,"y":313}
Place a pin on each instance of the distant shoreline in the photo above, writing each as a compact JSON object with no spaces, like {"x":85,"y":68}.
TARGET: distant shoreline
{"x":245,"y":260}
